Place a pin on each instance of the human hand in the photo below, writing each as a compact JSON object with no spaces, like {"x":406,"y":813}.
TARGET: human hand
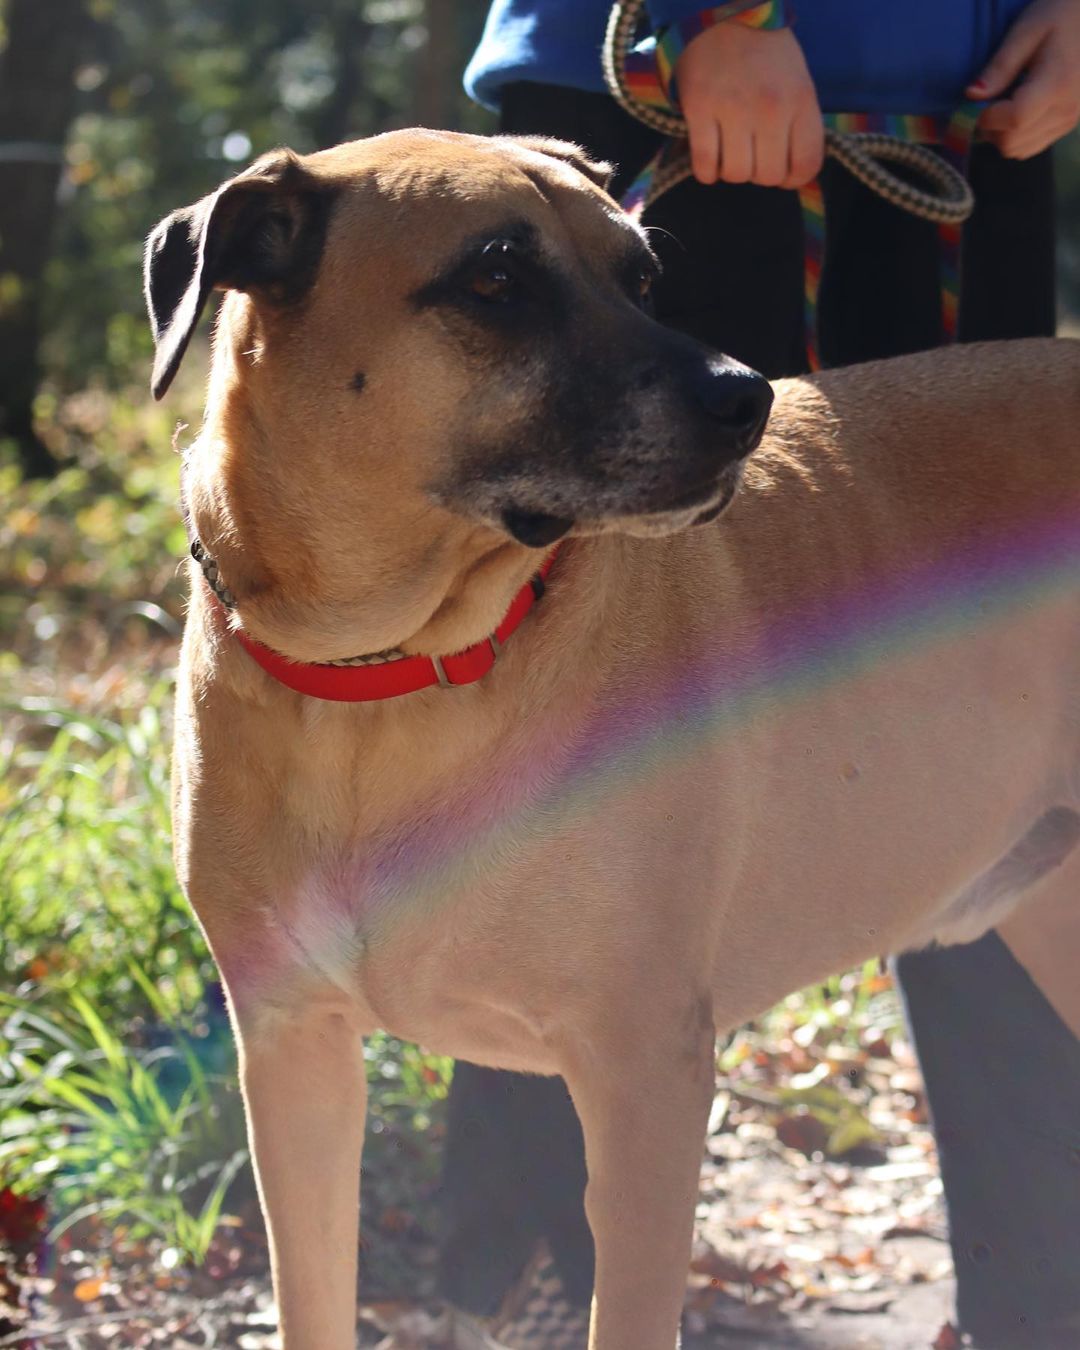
{"x":750,"y":107}
{"x":1043,"y":46}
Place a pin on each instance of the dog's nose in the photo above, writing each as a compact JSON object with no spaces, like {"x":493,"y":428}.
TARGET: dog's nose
{"x":739,"y":399}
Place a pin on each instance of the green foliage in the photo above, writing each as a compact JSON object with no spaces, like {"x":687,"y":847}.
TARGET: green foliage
{"x":85,"y":864}
{"x":118,"y":1091}
{"x":92,"y":1119}
{"x":100,"y":950}
{"x":88,"y":560}
{"x":407,"y":1085}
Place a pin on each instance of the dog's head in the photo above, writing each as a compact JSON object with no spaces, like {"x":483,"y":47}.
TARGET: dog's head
{"x":434,"y":348}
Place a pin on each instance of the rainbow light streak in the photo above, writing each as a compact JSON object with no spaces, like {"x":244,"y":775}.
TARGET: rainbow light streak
{"x":983,"y":581}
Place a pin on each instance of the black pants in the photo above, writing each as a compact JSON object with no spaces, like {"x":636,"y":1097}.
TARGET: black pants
{"x":1002,"y":1072}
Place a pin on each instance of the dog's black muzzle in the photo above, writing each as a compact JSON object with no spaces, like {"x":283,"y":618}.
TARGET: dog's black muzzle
{"x":640,"y":423}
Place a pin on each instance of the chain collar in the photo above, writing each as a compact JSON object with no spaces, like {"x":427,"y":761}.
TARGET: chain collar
{"x":212,"y":575}
{"x":213,"y":579}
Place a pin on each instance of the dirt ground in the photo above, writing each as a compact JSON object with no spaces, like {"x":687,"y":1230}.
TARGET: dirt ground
{"x":800,"y":1245}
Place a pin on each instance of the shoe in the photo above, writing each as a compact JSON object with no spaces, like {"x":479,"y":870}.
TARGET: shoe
{"x":535,"y":1315}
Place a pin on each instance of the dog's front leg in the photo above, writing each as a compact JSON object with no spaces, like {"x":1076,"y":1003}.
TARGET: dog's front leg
{"x":302,"y":1074}
{"x":643,"y":1095}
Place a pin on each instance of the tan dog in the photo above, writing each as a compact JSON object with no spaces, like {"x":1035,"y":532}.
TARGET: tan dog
{"x":711,"y":766}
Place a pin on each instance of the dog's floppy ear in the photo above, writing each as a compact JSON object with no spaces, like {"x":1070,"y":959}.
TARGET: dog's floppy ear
{"x":595,"y":170}
{"x":263,"y":230}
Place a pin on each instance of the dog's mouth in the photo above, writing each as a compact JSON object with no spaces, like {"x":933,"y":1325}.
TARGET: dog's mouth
{"x":729,"y":485}
{"x":535,"y":529}
{"x":693,"y":509}
{"x":700,"y":504}
{"x":702,"y":494}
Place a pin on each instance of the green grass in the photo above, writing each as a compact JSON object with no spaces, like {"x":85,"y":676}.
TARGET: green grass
{"x":92,"y":1120}
{"x":86,"y":876}
{"x":105,"y":964}
{"x":114,"y":1099}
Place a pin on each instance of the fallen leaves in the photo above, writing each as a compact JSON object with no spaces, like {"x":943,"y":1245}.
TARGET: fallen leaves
{"x":22,"y":1220}
{"x":820,"y":1187}
{"x":86,"y":1291}
{"x":797,"y":1221}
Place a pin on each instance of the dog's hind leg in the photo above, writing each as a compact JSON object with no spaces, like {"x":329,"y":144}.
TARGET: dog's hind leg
{"x":643,"y":1088}
{"x":302,"y":1074}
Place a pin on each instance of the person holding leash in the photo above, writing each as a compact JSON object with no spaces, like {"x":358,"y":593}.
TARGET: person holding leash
{"x":1002,"y":1069}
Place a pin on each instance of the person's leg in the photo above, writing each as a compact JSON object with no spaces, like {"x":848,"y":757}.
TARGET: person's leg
{"x":881,"y":284}
{"x":880,"y":293}
{"x":1008,"y":288}
{"x":1003,"y":1076}
{"x":513,"y":1172}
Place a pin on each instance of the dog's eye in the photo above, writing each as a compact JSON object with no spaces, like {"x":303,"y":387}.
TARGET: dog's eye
{"x":643,"y":289}
{"x":494,"y":278}
{"x":493,"y":281}
{"x":637,"y":283}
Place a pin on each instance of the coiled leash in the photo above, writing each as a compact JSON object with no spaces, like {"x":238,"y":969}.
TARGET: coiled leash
{"x":641,"y":80}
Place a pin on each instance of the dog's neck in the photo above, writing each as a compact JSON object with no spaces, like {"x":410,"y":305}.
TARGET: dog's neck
{"x":470,"y":612}
{"x":212,"y":575}
{"x":379,"y":675}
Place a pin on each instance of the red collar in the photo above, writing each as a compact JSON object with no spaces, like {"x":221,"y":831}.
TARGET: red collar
{"x":364,"y":684}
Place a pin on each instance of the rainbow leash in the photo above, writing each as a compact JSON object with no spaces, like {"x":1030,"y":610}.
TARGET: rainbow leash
{"x":953,"y":136}
{"x":640,"y":77}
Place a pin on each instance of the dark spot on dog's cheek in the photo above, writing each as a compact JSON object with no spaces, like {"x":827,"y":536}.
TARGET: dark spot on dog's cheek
{"x":356,"y":384}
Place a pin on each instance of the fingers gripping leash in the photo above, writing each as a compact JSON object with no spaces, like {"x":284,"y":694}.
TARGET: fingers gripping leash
{"x":864,"y":144}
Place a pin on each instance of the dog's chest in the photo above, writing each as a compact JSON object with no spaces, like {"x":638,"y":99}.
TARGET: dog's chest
{"x":478,"y":924}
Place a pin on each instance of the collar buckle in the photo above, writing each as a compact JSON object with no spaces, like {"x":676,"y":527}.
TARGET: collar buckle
{"x":445,"y":682}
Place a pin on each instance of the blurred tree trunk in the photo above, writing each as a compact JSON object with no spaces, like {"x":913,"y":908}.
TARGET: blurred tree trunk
{"x":439,"y":66}
{"x":337,"y":119}
{"x":37,"y":95}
